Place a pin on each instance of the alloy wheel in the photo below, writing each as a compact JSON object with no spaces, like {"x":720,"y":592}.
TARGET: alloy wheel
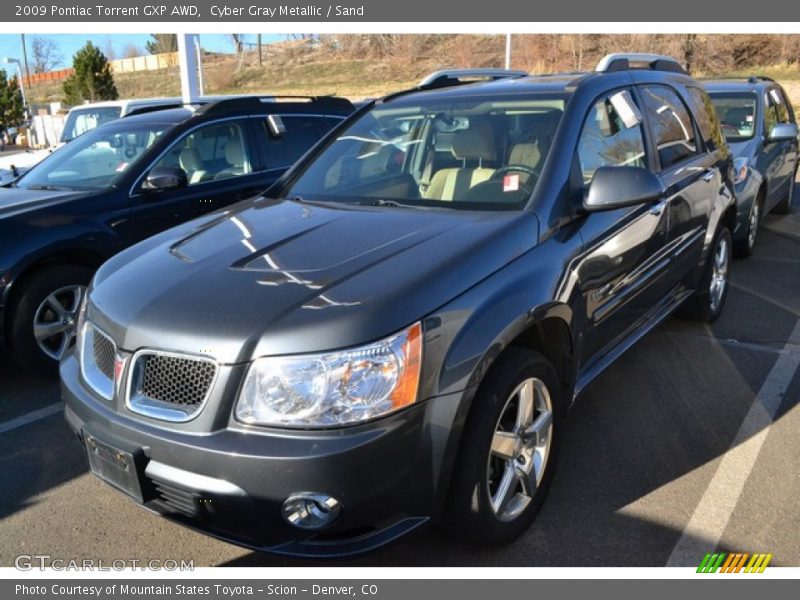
{"x":719,"y":273}
{"x":55,"y":321}
{"x":520,"y":449}
{"x":755,"y":215}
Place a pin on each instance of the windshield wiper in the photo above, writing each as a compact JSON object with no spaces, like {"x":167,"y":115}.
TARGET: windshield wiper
{"x":51,"y":188}
{"x":381,"y":202}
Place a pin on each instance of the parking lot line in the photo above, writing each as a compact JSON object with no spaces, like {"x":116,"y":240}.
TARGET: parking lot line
{"x":710,"y":518}
{"x":31,"y":417}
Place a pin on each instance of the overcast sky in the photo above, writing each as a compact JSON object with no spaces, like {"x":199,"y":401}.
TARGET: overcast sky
{"x":11,"y":45}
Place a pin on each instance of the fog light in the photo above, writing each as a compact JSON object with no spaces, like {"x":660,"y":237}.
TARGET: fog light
{"x":310,"y":510}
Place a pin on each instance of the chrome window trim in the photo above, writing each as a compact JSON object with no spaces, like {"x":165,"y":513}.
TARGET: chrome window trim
{"x":135,"y":190}
{"x":91,"y":375}
{"x":156,"y":409}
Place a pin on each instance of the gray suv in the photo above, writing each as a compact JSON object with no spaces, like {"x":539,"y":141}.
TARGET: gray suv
{"x":393,"y":334}
{"x":759,"y":125}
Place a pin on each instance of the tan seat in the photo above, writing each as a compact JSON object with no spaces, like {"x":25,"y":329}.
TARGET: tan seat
{"x":191,"y":162}
{"x":475,"y":144}
{"x":526,"y":154}
{"x":234,"y":155}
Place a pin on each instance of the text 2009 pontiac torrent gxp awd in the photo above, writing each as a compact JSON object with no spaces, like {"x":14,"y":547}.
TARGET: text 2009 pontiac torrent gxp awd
{"x":393,"y":334}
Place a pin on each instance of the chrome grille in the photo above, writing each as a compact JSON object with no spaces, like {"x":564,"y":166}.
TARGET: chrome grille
{"x":169,"y":386}
{"x":98,"y":354}
{"x":104,"y":353}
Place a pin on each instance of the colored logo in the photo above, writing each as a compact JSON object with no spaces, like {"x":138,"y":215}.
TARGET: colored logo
{"x":737,"y":562}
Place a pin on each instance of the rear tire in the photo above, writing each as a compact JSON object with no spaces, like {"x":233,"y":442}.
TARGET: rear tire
{"x":707,"y":302}
{"x":44,"y":317}
{"x":784,"y":207}
{"x":508,"y":450}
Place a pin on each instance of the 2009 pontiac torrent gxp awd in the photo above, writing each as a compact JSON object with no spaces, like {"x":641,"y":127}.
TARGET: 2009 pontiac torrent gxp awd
{"x":392,"y":334}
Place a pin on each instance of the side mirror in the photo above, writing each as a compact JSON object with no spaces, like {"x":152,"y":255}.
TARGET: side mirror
{"x":617,"y":187}
{"x":276,"y":126}
{"x":165,"y":178}
{"x":783,"y":132}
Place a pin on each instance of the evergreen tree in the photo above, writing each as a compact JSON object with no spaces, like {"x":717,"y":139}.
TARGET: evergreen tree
{"x":92,"y":79}
{"x":12,"y":109}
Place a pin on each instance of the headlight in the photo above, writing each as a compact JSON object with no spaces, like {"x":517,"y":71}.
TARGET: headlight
{"x":337,"y":388}
{"x":741,"y":168}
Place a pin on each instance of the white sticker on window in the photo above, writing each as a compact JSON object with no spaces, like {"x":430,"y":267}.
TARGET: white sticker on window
{"x":511,"y":183}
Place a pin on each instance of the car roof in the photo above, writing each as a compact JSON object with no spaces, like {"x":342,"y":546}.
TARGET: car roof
{"x":166,"y":115}
{"x":736,"y":85}
{"x":556,"y":83}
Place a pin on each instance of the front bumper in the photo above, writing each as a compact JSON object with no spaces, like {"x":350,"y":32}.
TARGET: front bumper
{"x":390,"y":476}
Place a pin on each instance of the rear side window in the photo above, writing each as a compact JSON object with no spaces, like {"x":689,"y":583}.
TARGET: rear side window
{"x":612,"y":136}
{"x":671,"y":125}
{"x":707,"y":120}
{"x":300,"y":134}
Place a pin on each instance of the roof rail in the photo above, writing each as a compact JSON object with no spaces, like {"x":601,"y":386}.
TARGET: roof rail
{"x":622,"y":62}
{"x":258,"y":102}
{"x":156,"y":107}
{"x":456,"y":76}
{"x":757,"y":78}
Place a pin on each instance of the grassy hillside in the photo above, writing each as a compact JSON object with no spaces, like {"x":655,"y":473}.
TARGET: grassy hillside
{"x":359,"y":67}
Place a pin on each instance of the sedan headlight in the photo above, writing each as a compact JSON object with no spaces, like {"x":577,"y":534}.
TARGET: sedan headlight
{"x":741,"y":169}
{"x":337,"y":388}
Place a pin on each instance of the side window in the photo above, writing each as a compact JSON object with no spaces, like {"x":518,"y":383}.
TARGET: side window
{"x":707,"y":120}
{"x":770,"y":115}
{"x":300,"y":134}
{"x":212,"y":152}
{"x":671,"y":125}
{"x":612,"y":136}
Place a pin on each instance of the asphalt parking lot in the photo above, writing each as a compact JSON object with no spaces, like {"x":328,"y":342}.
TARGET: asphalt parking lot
{"x":689,"y":443}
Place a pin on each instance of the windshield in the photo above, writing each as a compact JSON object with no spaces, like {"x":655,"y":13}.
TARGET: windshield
{"x":95,"y":160}
{"x":472,"y":153}
{"x":737,"y":115}
{"x":79,"y":121}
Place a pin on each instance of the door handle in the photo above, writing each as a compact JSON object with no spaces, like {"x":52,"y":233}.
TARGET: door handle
{"x":708,"y":175}
{"x":658,"y":207}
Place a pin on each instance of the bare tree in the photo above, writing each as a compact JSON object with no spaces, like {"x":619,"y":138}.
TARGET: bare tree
{"x":45,"y":55}
{"x":108,"y":49}
{"x":132,"y":51}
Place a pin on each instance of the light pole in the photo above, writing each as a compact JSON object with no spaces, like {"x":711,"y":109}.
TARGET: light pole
{"x":9,"y":61}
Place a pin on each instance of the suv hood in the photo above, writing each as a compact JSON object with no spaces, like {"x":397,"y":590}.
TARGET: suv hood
{"x":280,"y":277}
{"x":17,"y":200}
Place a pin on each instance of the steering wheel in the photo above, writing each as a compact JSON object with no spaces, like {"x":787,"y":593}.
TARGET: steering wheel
{"x":508,"y":168}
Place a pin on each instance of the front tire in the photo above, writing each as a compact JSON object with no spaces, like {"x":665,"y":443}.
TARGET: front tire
{"x":744,"y":248}
{"x":708,"y":301}
{"x":509,"y":450}
{"x":44,"y":317}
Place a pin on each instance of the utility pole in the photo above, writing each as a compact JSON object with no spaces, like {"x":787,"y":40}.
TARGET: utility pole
{"x":187,"y":59}
{"x":508,"y":51}
{"x":260,"y":60}
{"x":25,"y":61}
{"x":199,"y":50}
